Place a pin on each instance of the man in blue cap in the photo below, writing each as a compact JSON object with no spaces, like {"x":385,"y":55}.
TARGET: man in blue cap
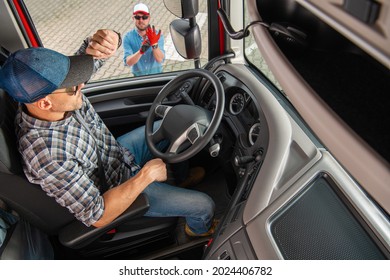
{"x":62,"y":140}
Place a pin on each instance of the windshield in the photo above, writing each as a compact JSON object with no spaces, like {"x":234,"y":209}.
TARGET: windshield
{"x":63,"y":25}
{"x":349,"y":80}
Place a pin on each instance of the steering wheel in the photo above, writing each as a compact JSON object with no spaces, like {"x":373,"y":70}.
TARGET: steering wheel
{"x":188,"y":128}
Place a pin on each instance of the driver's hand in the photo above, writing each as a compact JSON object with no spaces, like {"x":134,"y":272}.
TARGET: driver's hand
{"x":103,"y":44}
{"x":155,"y":170}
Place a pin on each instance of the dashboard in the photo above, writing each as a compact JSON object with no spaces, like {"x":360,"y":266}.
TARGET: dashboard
{"x":244,"y":120}
{"x":286,"y":185}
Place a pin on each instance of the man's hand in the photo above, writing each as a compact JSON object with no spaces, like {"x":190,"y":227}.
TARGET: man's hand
{"x":153,"y":37}
{"x":103,"y":44}
{"x":118,"y":199}
{"x":155,"y":170}
{"x":145,"y":46}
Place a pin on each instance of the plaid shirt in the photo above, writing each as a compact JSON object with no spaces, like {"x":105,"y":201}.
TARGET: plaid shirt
{"x":60,"y":156}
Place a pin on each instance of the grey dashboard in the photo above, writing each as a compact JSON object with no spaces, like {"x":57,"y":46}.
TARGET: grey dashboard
{"x":299,"y":203}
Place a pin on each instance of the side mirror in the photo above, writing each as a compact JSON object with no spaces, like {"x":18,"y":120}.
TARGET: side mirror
{"x":182,"y":8}
{"x":186,"y":38}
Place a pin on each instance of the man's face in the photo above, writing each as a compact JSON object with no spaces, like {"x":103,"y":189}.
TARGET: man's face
{"x":141,"y":21}
{"x":66,"y":99}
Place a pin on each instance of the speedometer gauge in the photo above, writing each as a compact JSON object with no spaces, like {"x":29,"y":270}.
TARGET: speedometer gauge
{"x":237,"y":103}
{"x":254,"y":133}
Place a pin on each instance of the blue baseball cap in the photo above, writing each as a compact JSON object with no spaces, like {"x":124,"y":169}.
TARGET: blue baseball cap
{"x":33,"y":73}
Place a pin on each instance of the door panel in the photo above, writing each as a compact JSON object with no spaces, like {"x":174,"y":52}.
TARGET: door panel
{"x":124,"y":106}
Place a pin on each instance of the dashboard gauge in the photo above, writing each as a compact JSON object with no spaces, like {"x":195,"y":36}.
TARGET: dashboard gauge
{"x":254,"y":133}
{"x":237,"y":103}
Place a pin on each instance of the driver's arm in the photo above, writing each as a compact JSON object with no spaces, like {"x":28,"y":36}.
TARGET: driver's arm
{"x":101,"y":45}
{"x":118,"y":199}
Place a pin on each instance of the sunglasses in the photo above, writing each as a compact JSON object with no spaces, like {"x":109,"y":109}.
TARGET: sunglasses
{"x":69,"y":91}
{"x":139,"y":17}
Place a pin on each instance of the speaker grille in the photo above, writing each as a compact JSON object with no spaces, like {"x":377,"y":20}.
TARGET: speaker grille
{"x":318,"y":225}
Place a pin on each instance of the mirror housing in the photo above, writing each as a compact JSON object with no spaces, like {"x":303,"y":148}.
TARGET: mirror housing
{"x":182,"y":8}
{"x":186,"y":38}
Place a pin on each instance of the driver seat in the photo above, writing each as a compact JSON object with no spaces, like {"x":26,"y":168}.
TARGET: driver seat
{"x":33,"y":205}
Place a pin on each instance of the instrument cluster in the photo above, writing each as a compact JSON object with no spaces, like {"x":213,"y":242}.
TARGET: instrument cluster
{"x":241,"y":106}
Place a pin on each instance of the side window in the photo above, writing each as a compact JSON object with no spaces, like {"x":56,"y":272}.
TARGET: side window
{"x":253,"y":55}
{"x":63,"y":25}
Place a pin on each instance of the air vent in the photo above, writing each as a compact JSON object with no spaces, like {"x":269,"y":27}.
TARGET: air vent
{"x":209,"y":94}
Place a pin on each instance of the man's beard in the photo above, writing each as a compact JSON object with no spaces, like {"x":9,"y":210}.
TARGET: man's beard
{"x":143,"y":29}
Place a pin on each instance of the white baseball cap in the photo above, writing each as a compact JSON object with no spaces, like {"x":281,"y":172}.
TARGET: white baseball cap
{"x":141,"y":8}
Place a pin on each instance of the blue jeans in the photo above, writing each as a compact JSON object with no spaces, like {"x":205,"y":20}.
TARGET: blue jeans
{"x":166,"y":200}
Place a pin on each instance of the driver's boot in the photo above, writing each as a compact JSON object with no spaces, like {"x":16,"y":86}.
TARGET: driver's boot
{"x":195,"y":176}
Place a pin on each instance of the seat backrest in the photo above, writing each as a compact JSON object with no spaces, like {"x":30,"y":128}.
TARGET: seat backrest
{"x":25,"y":198}
{"x":42,"y":211}
{"x":9,"y":161}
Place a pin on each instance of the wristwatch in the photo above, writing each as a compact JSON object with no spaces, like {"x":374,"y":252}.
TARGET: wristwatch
{"x":119,"y":39}
{"x":155,"y":46}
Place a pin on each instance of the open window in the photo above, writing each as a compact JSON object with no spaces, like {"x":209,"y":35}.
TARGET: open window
{"x":63,"y":26}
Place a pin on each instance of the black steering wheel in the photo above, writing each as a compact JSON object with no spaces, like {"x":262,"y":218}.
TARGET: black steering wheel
{"x":188,"y":128}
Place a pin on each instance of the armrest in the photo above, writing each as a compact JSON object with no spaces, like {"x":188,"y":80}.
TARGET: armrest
{"x":77,"y":235}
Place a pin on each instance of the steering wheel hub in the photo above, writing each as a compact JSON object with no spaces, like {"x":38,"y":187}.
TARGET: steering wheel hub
{"x":188,"y":128}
